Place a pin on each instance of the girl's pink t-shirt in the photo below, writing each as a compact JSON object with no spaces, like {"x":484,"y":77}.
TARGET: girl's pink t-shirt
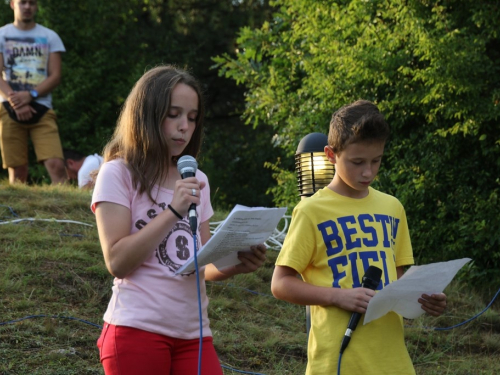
{"x":153,"y":298}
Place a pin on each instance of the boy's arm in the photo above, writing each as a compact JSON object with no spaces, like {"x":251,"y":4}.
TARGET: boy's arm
{"x":285,"y":285}
{"x":400,"y":271}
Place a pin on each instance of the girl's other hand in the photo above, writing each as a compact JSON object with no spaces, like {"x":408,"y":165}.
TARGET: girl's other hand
{"x":251,"y":260}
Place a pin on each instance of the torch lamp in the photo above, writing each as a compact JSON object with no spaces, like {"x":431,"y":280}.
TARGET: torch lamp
{"x":314,"y":170}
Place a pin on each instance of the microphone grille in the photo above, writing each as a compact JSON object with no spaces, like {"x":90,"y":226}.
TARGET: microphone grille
{"x":372,"y":276}
{"x":187,"y":163}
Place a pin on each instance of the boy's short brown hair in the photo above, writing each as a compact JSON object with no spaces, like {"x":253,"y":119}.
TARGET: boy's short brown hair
{"x":357,"y":122}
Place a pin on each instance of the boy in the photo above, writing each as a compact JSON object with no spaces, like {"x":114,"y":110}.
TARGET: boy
{"x":334,"y":237}
{"x":80,"y":167}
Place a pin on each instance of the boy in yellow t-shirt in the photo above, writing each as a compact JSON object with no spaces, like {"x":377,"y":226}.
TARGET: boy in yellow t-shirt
{"x":334,"y":237}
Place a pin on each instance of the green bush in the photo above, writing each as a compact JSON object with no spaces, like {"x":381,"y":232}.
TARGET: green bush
{"x":110,"y":44}
{"x":433,"y":69}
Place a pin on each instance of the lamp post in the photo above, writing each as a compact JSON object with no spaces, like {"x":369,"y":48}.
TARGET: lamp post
{"x":314,"y":170}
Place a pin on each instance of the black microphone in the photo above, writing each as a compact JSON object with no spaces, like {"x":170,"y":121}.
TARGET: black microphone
{"x":370,"y":280}
{"x":187,"y":167}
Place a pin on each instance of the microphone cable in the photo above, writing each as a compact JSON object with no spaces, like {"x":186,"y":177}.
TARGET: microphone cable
{"x":200,"y":315}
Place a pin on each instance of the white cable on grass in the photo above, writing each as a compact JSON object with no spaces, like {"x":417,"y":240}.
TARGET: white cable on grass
{"x":53,"y":220}
{"x":275,"y":241}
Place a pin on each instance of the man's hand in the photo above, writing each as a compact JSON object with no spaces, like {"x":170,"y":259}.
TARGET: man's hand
{"x":25,"y":113}
{"x":18,"y":99}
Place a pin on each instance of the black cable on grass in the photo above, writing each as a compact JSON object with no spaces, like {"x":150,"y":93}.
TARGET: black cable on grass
{"x":239,"y":371}
{"x":226,"y":367}
{"x":100,"y":327}
{"x":10,"y":209}
{"x":50,"y":316}
{"x":71,"y":235}
{"x":221,"y":283}
{"x":464,"y":322}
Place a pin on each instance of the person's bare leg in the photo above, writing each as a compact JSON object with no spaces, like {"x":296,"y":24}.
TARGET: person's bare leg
{"x":18,"y":174}
{"x":57,"y":170}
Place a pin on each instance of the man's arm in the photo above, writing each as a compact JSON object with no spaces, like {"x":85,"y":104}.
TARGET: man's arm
{"x":53,"y":75}
{"x":21,"y":98}
{"x":24,"y":112}
{"x":5,"y":88}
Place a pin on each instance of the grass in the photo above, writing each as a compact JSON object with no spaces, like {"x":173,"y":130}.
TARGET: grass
{"x":55,"y":269}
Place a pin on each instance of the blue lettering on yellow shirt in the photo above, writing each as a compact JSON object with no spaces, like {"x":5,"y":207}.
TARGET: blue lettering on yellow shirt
{"x":358,"y":232}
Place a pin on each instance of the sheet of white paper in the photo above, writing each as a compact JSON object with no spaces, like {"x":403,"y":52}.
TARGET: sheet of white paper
{"x":402,"y":295}
{"x":243,"y":227}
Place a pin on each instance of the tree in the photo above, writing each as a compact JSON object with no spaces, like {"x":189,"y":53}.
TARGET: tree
{"x":432,"y":67}
{"x":109,"y":46}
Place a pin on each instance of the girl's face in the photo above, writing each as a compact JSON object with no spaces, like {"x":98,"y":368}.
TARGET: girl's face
{"x":180,"y":123}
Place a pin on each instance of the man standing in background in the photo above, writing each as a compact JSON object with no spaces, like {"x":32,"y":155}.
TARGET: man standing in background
{"x":30,"y":62}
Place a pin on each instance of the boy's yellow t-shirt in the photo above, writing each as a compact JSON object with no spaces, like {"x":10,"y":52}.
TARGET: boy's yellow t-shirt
{"x":331,"y":242}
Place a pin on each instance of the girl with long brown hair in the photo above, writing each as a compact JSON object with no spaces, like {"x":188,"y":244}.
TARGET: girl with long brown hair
{"x":141,"y":202}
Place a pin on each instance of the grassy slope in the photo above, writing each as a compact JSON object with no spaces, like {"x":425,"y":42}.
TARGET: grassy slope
{"x":55,"y":268}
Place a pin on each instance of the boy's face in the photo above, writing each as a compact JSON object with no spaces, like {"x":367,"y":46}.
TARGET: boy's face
{"x":355,"y":167}
{"x":72,"y":168}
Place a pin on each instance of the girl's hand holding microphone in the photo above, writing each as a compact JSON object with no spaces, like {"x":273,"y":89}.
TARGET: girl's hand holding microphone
{"x":186,"y":192}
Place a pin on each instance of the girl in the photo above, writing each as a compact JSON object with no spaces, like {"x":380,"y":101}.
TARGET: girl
{"x":141,"y":202}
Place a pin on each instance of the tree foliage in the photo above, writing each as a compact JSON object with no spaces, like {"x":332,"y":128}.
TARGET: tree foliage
{"x":433,"y":69}
{"x":109,"y":46}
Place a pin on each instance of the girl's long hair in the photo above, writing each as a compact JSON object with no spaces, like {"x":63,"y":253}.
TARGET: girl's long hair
{"x":138,"y":138}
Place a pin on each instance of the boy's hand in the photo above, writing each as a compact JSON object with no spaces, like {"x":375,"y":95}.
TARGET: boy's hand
{"x":251,"y":261}
{"x":355,"y":300}
{"x":434,"y":304}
